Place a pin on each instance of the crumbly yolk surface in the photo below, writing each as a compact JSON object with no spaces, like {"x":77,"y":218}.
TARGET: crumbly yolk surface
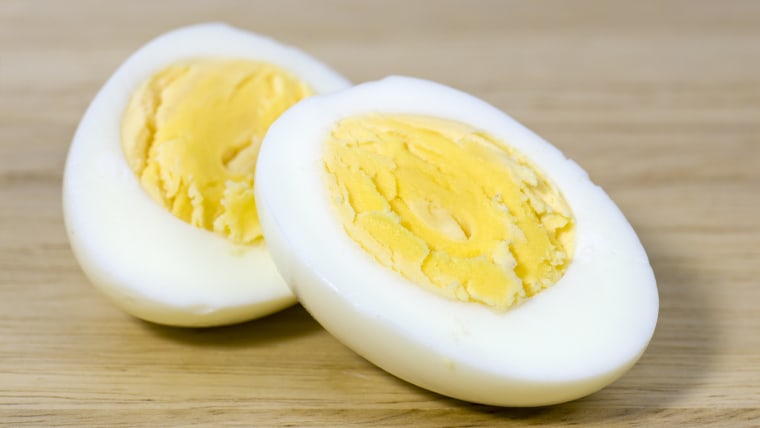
{"x":448,"y":207}
{"x":192,"y":133}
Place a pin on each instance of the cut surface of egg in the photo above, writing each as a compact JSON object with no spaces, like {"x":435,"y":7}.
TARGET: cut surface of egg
{"x":451,"y":246}
{"x":158,"y":186}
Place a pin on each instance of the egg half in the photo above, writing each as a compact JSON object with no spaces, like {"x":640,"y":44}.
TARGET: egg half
{"x":452,"y":247}
{"x":158,"y":184}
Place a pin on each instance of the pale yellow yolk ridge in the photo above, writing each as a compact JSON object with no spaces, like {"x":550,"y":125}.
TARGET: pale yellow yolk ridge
{"x":448,"y":207}
{"x":192,"y":133}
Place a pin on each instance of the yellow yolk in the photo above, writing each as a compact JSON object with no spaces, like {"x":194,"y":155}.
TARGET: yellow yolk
{"x":448,"y":207}
{"x":192,"y":133}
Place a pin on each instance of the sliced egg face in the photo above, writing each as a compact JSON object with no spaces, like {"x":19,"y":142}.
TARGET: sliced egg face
{"x":158,"y":186}
{"x":451,"y":246}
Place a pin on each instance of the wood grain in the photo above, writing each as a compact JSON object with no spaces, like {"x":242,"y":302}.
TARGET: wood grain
{"x":658,"y":100}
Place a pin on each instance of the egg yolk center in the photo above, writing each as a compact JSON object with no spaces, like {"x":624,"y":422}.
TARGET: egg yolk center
{"x":191,"y":133}
{"x":448,"y":207}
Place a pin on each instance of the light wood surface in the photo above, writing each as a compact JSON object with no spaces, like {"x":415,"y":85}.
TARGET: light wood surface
{"x":658,"y":100}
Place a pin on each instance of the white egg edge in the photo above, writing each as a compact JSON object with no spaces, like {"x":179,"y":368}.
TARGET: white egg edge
{"x":153,"y":265}
{"x":535,"y":354}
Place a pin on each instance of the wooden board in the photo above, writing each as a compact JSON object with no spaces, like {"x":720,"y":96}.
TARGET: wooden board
{"x":658,"y":100}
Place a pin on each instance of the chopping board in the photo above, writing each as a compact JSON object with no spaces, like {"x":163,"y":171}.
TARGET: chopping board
{"x":658,"y":101}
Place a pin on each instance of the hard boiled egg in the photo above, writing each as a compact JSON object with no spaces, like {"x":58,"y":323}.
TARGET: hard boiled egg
{"x":451,"y":246}
{"x":158,"y":185}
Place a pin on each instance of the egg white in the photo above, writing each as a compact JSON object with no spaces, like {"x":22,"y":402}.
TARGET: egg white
{"x":568,"y":341}
{"x":153,"y":265}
